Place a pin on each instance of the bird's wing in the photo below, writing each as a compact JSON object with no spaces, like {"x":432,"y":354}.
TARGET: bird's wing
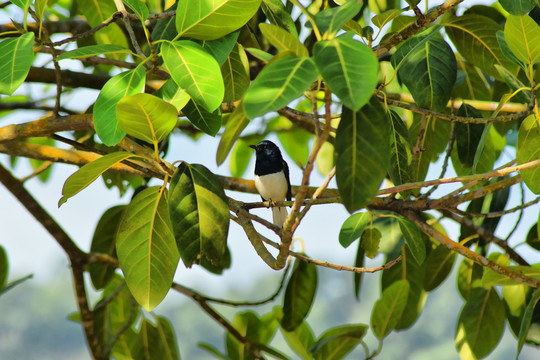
{"x":286,"y":172}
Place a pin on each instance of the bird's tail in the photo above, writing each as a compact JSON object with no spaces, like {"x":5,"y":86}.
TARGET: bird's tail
{"x":279,"y":213}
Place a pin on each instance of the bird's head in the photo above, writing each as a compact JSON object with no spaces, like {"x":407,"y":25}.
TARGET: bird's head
{"x":266,"y":149}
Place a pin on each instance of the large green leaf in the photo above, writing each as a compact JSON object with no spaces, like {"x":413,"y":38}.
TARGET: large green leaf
{"x":528,"y":150}
{"x":90,"y":172}
{"x":413,"y":238}
{"x":331,"y":20}
{"x":353,"y":227}
{"x":196,"y":71}
{"x":427,"y":66}
{"x":283,"y":40}
{"x":336,"y":343}
{"x":522,"y":34}
{"x":236,"y":122}
{"x":438,"y":266}
{"x":278,"y":84}
{"x":222,"y":47}
{"x":92,"y":50}
{"x":400,"y":151}
{"x":156,"y":342}
{"x":526,"y":321}
{"x":207,"y":20}
{"x":480,"y":324}
{"x":104,"y":242}
{"x":146,"y":247}
{"x":235,"y":71}
{"x":199,"y":212}
{"x":389,"y":308}
{"x":301,"y":340}
{"x":349,"y":68}
{"x":209,"y":122}
{"x":16,"y":57}
{"x":468,"y":135}
{"x":414,"y":273}
{"x":146,"y":117}
{"x":173,"y":94}
{"x":122,"y":85}
{"x":475,"y":37}
{"x":299,"y":294}
{"x":518,"y":7}
{"x":363,"y":152}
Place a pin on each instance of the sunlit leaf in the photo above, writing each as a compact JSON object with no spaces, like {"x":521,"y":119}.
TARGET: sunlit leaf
{"x":16,"y":57}
{"x":522,"y":34}
{"x":122,"y":85}
{"x":349,"y":68}
{"x":90,"y":172}
{"x":528,"y":150}
{"x":222,"y":47}
{"x":384,"y":18}
{"x":283,"y":40}
{"x":146,"y":117}
{"x":138,"y":8}
{"x":235,"y":71}
{"x":205,"y":20}
{"x":196,"y":71}
{"x":146,"y":247}
{"x":199,"y":213}
{"x":518,"y":7}
{"x":331,"y":20}
{"x":173,"y":94}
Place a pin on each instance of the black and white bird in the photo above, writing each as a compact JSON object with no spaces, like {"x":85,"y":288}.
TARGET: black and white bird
{"x":272,"y":178}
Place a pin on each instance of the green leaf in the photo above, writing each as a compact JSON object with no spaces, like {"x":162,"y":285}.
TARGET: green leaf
{"x":528,"y":150}
{"x":353,"y":228}
{"x":299,"y":294}
{"x":138,"y":8}
{"x":146,"y":247}
{"x":331,"y":20}
{"x":325,"y":159}
{"x":336,"y":343}
{"x":358,"y":262}
{"x":92,"y":50}
{"x":112,"y":312}
{"x":122,"y":85}
{"x":209,"y":122}
{"x":385,"y":17}
{"x":283,"y":40}
{"x":146,"y":117}
{"x":468,"y":135}
{"x":427,"y":66}
{"x":260,"y":54}
{"x":533,"y":238}
{"x":526,"y":320}
{"x":363,"y":153}
{"x":212,"y":350}
{"x":492,"y":278}
{"x":23,"y":4}
{"x":16,"y":57}
{"x":278,"y":84}
{"x":257,"y":329}
{"x":522,"y":34}
{"x":196,"y":71}
{"x":475,"y":37}
{"x":371,"y":237}
{"x":235,"y":73}
{"x":400,"y":151}
{"x":438,"y":266}
{"x":349,"y":68}
{"x":104,"y":242}
{"x":518,"y":7}
{"x":222,"y":47}
{"x":236,"y":123}
{"x":480,"y":324}
{"x":389,"y":308}
{"x":300,"y":340}
{"x":4,"y":267}
{"x":156,"y":342}
{"x":514,"y":84}
{"x":173,"y":94}
{"x":506,"y":50}
{"x":413,"y":238}
{"x":407,"y":269}
{"x":90,"y":172}
{"x":199,"y":213}
{"x":204,"y":20}
{"x":276,"y":13}
{"x":241,"y":156}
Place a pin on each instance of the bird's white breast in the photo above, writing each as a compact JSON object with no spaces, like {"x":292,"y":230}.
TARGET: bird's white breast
{"x":272,"y":186}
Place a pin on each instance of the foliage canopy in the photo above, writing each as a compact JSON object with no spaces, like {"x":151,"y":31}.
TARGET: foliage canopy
{"x":378,"y":92}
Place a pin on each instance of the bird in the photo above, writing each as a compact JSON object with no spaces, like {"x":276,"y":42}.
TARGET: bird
{"x":272,"y":178}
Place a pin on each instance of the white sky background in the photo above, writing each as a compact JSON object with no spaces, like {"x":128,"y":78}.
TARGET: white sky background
{"x":31,"y":250}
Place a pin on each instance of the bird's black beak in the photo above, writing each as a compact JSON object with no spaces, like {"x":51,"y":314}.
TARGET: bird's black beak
{"x":253,"y":146}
